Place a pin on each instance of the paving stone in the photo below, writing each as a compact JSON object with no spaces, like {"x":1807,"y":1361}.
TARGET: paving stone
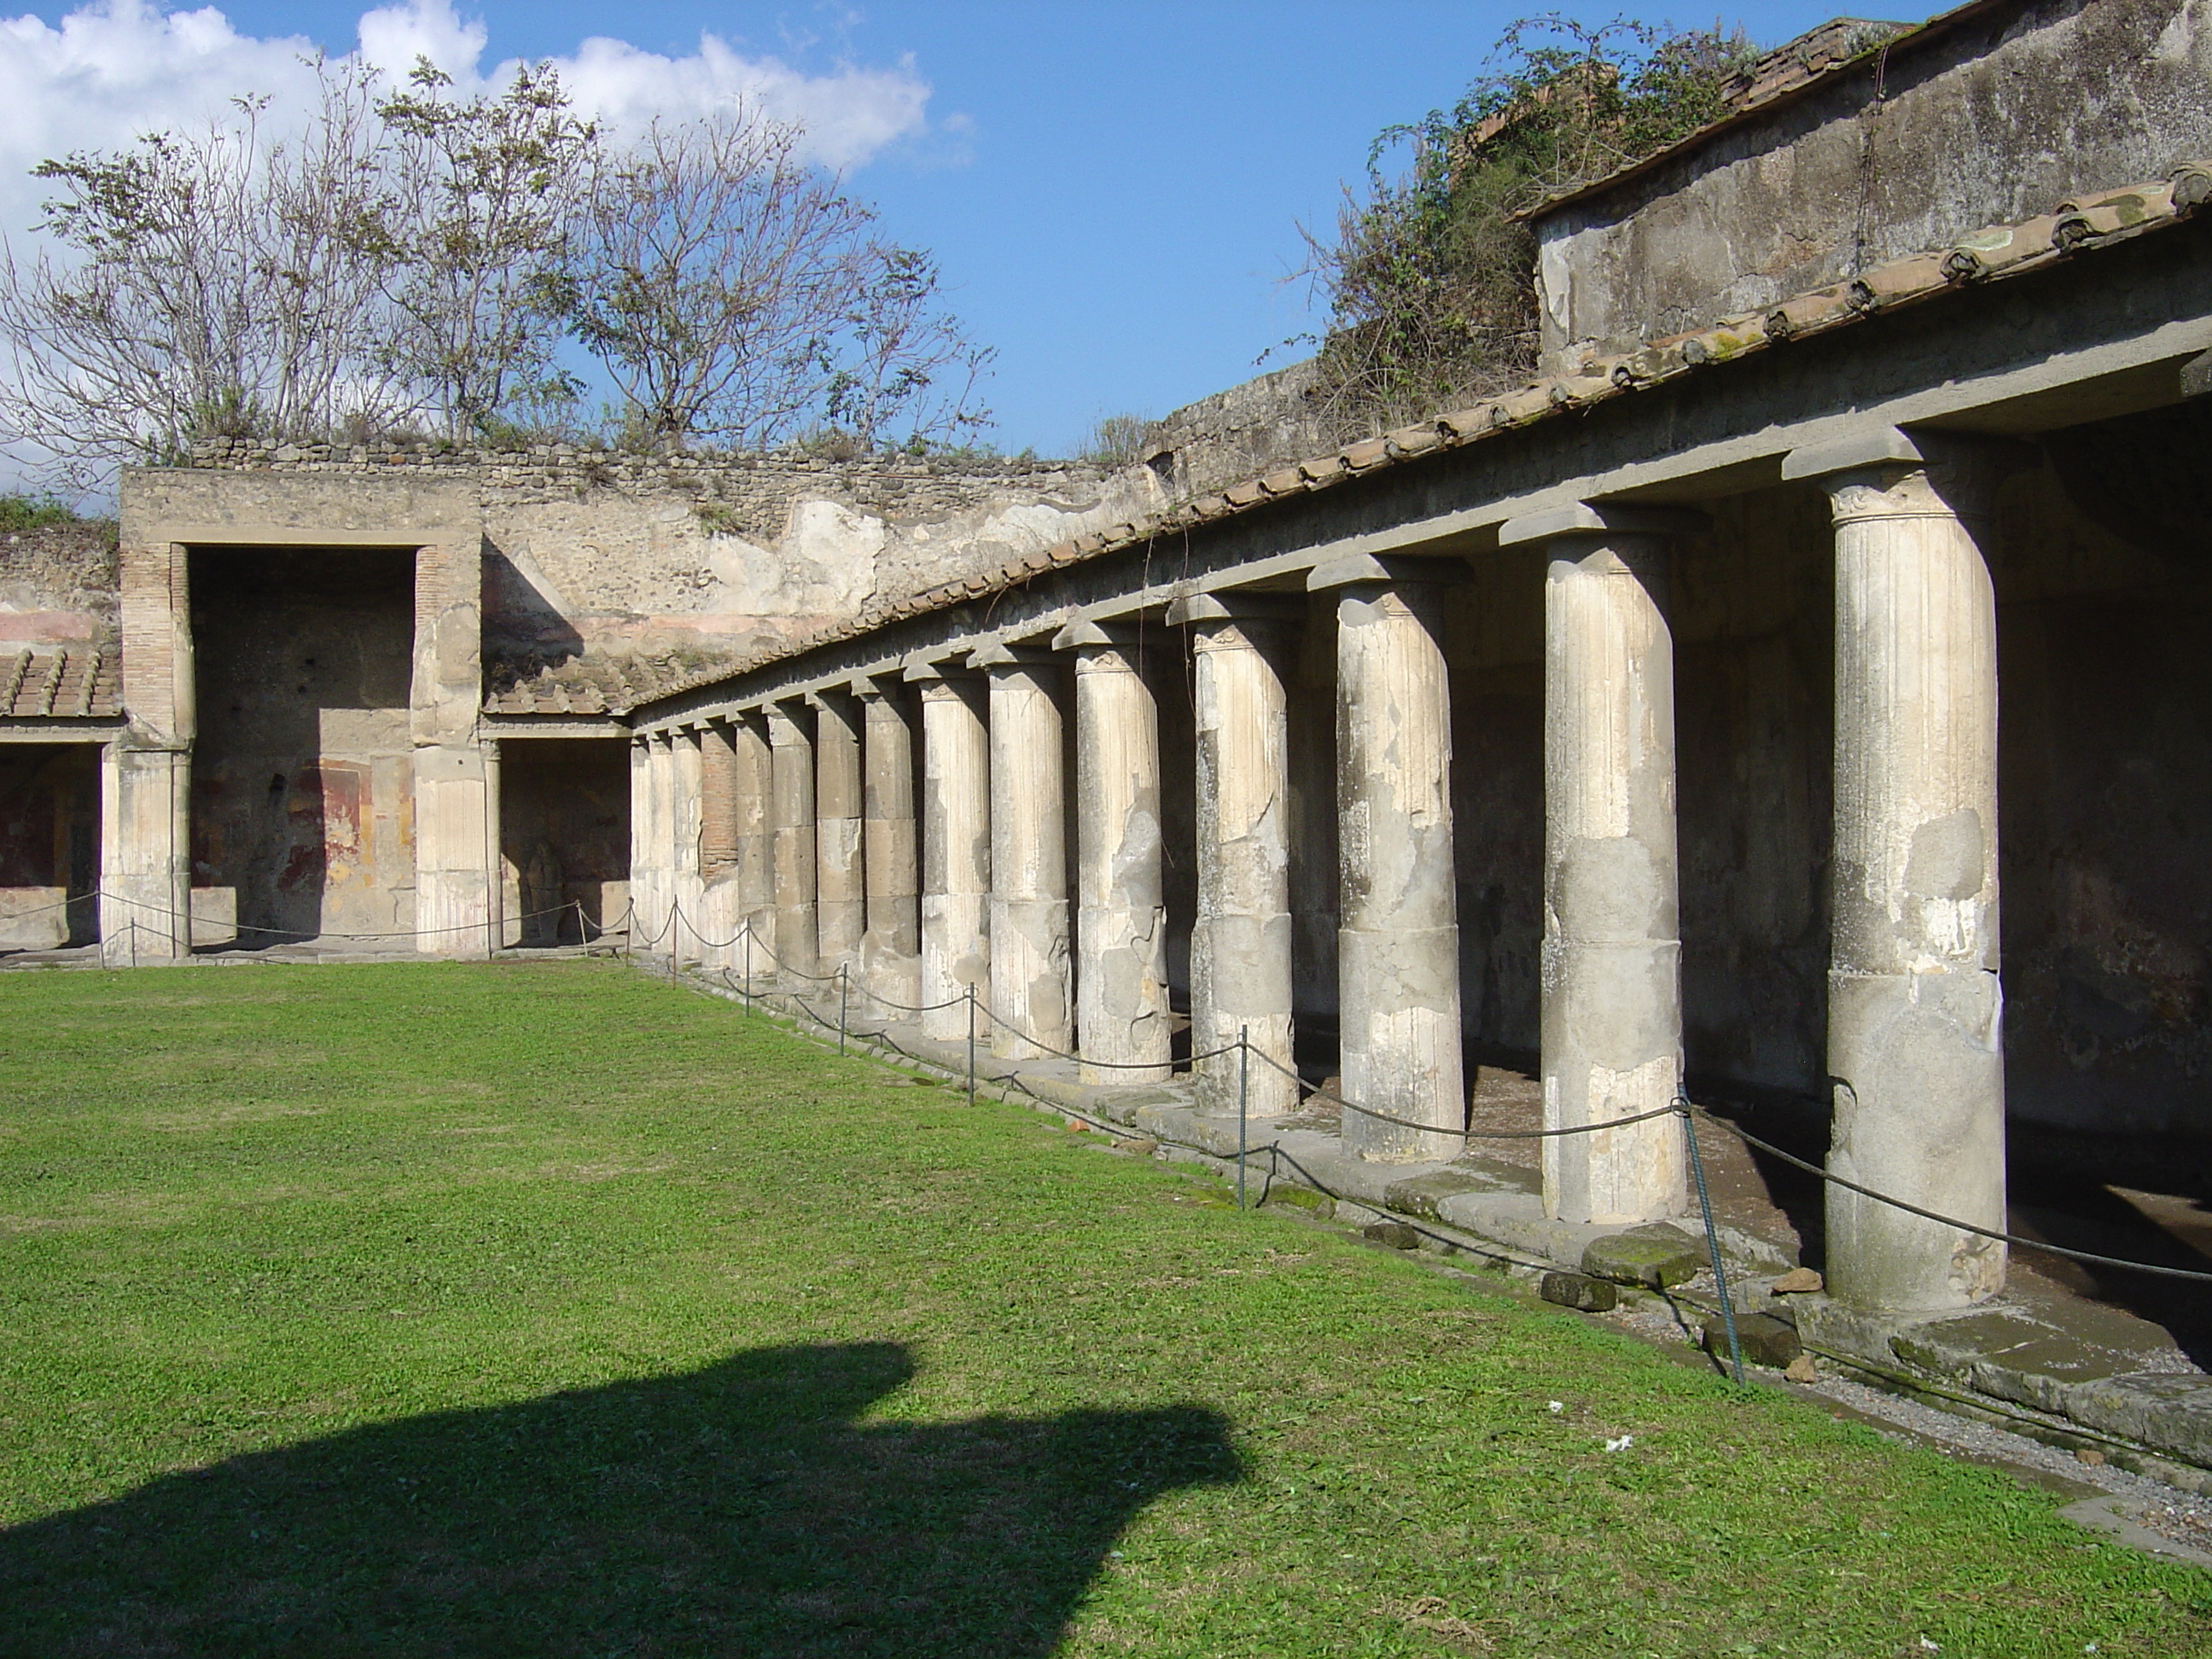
{"x":1290,"y":1195}
{"x":1655,"y":1256}
{"x":1420,"y":1196}
{"x":1578,"y":1290}
{"x":1766,"y":1341}
{"x":2168,"y":1412}
{"x":1397,"y":1234}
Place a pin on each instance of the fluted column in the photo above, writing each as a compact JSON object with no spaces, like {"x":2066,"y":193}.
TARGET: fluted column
{"x":1612,"y":1000}
{"x":790,"y":828}
{"x":1398,"y":939}
{"x":1240,"y":945}
{"x":1029,"y":857}
{"x":756,"y":879}
{"x":956,"y":845}
{"x":891,"y":948}
{"x":1915,"y":1041}
{"x":1120,"y":922}
{"x":686,"y":809}
{"x":649,"y":844}
{"x":718,"y":845}
{"x":841,"y":889}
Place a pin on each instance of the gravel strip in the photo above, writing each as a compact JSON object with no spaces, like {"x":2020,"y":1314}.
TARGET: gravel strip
{"x":2180,"y":1518}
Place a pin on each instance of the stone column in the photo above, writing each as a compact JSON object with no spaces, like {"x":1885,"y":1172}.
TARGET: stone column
{"x":718,"y":845}
{"x":1398,"y":940}
{"x":1120,"y":920}
{"x":890,"y":949}
{"x":641,"y":842}
{"x":1240,"y":945}
{"x":457,"y":874}
{"x":790,"y":828}
{"x":1028,"y":855}
{"x":1612,"y":998}
{"x":841,"y":900}
{"x":755,"y":879}
{"x":1914,"y":1040}
{"x":656,"y":905}
{"x":687,"y":886}
{"x":146,"y":773}
{"x":956,"y":846}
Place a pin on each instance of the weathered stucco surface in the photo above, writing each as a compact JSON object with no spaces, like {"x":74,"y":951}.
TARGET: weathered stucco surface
{"x":57,"y":586}
{"x":1993,"y":120}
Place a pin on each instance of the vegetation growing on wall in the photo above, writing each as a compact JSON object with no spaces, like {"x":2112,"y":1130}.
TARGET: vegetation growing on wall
{"x":1430,"y":277}
{"x":412,"y":262}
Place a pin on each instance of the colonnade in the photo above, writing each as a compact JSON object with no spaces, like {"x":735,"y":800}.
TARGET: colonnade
{"x":817,"y":837}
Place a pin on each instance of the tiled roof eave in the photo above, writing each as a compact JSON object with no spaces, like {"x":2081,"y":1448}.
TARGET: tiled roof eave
{"x":1997,"y":253}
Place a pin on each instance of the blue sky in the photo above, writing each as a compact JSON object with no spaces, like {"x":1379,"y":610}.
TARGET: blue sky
{"x":1113,"y":191}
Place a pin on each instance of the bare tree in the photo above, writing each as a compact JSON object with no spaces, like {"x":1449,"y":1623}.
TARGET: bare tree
{"x":485,"y":194}
{"x":737,"y":296}
{"x":220,"y":282}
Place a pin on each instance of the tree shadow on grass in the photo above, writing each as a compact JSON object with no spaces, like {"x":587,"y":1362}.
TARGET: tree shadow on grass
{"x":737,"y":1510}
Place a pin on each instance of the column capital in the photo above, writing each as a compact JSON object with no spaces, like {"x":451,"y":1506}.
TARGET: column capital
{"x":1599,"y":519}
{"x":1235,"y":604}
{"x":1888,"y":447}
{"x":925,"y":670}
{"x":1356,"y":569}
{"x":1013,"y":653}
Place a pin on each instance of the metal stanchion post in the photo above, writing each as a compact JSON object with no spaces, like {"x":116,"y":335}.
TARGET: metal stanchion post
{"x":971,"y":1045}
{"x":1243,"y":1098}
{"x":134,"y":941}
{"x":1712,"y":1239}
{"x":844,"y":973}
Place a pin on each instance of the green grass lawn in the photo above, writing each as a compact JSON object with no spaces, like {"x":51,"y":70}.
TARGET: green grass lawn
{"x":450,"y":1309}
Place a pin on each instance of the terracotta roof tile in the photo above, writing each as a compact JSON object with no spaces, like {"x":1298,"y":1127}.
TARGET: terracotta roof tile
{"x":67,"y":683}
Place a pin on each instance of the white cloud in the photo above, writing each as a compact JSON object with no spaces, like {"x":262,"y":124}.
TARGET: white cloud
{"x":115,"y":68}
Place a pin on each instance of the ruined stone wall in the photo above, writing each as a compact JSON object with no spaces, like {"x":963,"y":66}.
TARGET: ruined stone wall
{"x":1241,"y":433}
{"x":699,"y":562}
{"x":1994,"y":119}
{"x":57,"y":586}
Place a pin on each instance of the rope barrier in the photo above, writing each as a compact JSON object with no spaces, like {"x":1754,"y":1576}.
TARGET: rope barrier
{"x":1686,"y":1110}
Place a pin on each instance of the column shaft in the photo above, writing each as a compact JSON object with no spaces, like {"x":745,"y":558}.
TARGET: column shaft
{"x":1612,"y":1005}
{"x":756,"y":876}
{"x":145,"y":864}
{"x":1120,"y":983}
{"x":1915,"y":1046}
{"x":642,"y":842}
{"x":1398,"y":943}
{"x":956,"y":850}
{"x":841,"y":904}
{"x":891,"y":951}
{"x":1240,"y":948}
{"x":791,"y":824}
{"x":687,"y":909}
{"x":1029,"y":863}
{"x":718,"y":846}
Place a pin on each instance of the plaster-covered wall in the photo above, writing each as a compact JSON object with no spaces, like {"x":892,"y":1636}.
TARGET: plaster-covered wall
{"x":303,"y":774}
{"x":1994,"y":119}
